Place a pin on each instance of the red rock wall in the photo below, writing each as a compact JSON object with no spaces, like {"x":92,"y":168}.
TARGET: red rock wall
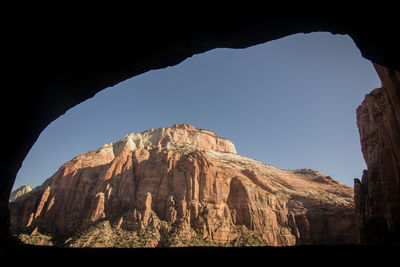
{"x":158,"y":187}
{"x":377,"y":195}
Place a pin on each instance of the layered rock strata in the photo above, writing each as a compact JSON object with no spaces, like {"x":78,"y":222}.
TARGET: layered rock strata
{"x":19,"y":192}
{"x":377,"y":195}
{"x":186,"y":185}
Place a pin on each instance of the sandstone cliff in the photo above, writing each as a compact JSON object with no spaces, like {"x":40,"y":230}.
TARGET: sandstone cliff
{"x":181,"y":186}
{"x":19,"y":192}
{"x":377,"y":195}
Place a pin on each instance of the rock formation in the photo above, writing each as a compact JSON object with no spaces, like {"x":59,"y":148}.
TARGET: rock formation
{"x":377,"y":196}
{"x":19,"y":192}
{"x":182,"y":186}
{"x":66,"y":67}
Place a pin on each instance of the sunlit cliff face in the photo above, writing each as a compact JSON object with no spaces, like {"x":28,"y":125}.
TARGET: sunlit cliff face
{"x":182,"y":186}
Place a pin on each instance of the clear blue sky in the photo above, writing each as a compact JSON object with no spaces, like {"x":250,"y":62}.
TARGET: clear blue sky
{"x":289,"y":103}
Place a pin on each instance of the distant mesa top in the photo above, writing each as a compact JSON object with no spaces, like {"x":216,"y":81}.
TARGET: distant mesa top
{"x":178,"y":134}
{"x":188,"y":127}
{"x":184,"y":126}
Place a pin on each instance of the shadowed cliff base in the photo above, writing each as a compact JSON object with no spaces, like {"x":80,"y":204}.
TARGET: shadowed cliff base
{"x":310,"y":255}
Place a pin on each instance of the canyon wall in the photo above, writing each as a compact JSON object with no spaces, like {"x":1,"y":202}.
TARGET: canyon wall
{"x":377,"y":195}
{"x":186,"y":186}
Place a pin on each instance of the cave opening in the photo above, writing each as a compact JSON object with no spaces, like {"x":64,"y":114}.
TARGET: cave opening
{"x":253,"y":97}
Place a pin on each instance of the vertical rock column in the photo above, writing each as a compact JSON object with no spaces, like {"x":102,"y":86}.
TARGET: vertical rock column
{"x":377,"y":195}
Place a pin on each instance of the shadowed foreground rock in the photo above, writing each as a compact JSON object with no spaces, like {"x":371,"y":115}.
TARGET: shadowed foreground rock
{"x":182,"y":186}
{"x":311,"y":255}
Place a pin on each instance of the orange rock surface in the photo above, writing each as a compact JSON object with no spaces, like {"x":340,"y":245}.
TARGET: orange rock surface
{"x":182,"y":176}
